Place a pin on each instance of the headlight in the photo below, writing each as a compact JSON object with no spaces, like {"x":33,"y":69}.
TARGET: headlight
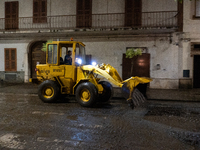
{"x":79,"y":61}
{"x":94,"y":63}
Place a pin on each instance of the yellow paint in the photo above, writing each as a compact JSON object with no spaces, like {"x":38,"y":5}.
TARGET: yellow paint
{"x":85,"y":95}
{"x":48,"y":92}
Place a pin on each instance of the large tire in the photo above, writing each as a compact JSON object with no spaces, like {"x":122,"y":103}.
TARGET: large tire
{"x":49,"y":91}
{"x":86,"y":94}
{"x":107,"y":91}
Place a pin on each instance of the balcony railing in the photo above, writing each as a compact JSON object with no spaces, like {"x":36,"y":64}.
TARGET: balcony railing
{"x":164,"y":19}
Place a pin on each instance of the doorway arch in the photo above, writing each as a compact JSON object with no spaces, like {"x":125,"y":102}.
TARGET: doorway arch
{"x":36,"y":56}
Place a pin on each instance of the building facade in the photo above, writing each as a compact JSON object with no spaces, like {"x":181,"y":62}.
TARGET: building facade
{"x":168,"y":37}
{"x":190,"y":43}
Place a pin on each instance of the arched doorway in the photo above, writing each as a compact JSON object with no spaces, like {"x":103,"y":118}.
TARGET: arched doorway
{"x":36,"y":56}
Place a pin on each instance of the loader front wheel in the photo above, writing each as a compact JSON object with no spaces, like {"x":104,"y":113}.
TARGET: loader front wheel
{"x":107,"y":91}
{"x":48,"y":91}
{"x":86,"y":94}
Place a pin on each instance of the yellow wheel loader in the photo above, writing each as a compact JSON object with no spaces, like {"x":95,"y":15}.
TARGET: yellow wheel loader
{"x":57,"y":77}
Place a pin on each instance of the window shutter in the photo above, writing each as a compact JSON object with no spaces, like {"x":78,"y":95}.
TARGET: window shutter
{"x":8,"y":9}
{"x":36,"y":11}
{"x":133,"y":12}
{"x":7,"y":60}
{"x":43,"y":11}
{"x":39,"y":11}
{"x":80,"y":13}
{"x":128,"y":12}
{"x":13,"y":59}
{"x":137,"y":13}
{"x":11,"y":15}
{"x":197,"y":14}
{"x":10,"y":59}
{"x":88,"y":13}
{"x":84,"y":13}
{"x":80,"y":6}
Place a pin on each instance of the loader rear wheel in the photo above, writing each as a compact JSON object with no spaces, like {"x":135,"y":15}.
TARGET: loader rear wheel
{"x":86,"y":94}
{"x":107,"y":91}
{"x":48,"y":91}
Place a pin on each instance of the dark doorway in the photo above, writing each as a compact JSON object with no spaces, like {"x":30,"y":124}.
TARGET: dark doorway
{"x":196,"y":72}
{"x":88,"y":59}
{"x":37,"y":57}
{"x":141,"y":66}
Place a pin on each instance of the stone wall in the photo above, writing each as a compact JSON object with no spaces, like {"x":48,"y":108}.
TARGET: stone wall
{"x":14,"y":77}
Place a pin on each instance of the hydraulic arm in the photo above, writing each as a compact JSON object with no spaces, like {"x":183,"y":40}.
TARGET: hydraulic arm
{"x":128,"y":86}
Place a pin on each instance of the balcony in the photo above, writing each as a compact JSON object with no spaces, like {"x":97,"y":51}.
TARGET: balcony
{"x":144,"y":20}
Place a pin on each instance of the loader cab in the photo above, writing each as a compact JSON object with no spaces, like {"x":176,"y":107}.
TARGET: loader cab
{"x":57,"y":50}
{"x":64,"y":72}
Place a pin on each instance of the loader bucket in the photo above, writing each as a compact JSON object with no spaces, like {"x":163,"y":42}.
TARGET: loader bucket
{"x":131,"y":93}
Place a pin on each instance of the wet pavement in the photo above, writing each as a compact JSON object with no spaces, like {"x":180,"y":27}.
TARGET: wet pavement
{"x":28,"y":123}
{"x":191,"y":95}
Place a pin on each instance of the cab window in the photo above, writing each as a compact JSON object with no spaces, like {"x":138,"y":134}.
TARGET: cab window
{"x":80,"y":54}
{"x":52,"y":54}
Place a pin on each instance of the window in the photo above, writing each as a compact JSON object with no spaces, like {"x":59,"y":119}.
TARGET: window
{"x":11,"y":15}
{"x":133,"y":15}
{"x":39,"y":11}
{"x":197,"y":5}
{"x":80,"y":53}
{"x":52,"y":54}
{"x":10,"y":59}
{"x":84,"y":13}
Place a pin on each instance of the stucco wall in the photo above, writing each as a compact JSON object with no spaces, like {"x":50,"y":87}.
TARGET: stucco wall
{"x":61,"y":7}
{"x":110,"y":51}
{"x":159,"y":5}
{"x":105,"y":50}
{"x":108,"y":6}
{"x":191,"y":34}
{"x":190,"y":24}
{"x":161,"y":52}
{"x":21,"y":48}
{"x":22,"y":69}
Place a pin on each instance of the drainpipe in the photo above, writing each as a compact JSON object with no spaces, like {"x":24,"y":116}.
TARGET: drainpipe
{"x":50,"y":15}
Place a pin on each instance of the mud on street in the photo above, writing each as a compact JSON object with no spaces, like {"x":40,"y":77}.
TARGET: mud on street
{"x":28,"y":123}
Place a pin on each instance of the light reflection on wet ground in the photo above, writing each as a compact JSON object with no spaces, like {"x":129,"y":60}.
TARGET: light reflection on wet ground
{"x":28,"y":123}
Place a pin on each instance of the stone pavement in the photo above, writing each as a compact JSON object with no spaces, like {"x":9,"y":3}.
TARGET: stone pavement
{"x":26,"y":123}
{"x":152,"y":94}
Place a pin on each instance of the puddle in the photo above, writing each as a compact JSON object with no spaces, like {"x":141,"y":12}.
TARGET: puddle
{"x":191,"y":138}
{"x":175,"y":117}
{"x":165,"y":111}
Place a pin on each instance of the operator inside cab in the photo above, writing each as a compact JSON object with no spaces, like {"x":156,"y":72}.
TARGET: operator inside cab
{"x":68,"y":59}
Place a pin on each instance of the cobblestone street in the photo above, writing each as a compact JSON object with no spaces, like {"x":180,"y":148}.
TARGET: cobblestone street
{"x":28,"y":123}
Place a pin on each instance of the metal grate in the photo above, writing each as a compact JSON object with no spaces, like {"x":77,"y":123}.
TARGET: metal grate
{"x":10,"y":77}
